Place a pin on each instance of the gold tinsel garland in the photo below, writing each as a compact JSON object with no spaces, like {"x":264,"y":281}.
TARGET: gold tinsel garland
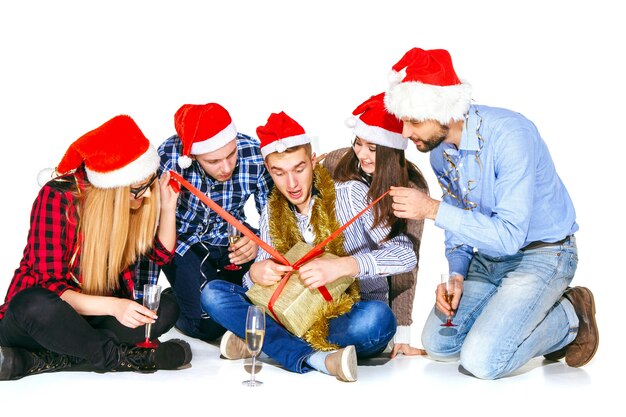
{"x":283,"y":228}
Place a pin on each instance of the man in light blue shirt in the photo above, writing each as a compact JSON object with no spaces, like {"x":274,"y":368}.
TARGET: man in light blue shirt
{"x":509,"y":225}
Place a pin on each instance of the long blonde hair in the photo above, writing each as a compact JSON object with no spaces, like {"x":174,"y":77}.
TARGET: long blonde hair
{"x":113,"y":235}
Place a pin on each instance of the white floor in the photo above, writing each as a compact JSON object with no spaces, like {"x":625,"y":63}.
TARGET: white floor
{"x":408,"y":385}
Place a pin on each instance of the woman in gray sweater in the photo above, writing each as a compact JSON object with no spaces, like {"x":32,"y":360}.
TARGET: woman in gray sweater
{"x":377,"y":159}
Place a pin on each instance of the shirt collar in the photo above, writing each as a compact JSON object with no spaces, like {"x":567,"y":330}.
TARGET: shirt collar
{"x":469,"y":141}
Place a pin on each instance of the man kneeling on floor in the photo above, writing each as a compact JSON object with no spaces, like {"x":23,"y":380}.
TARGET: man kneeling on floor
{"x":306,"y":205}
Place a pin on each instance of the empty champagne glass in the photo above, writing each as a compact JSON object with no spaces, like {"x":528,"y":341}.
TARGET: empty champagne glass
{"x":255,"y":333}
{"x":449,"y":286}
{"x":151,"y":300}
{"x":233,"y":237}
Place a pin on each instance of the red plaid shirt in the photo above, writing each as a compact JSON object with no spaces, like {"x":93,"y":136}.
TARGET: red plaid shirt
{"x":52,"y":255}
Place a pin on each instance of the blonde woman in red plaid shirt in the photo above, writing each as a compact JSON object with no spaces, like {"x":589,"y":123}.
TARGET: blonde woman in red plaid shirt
{"x":70,"y":304}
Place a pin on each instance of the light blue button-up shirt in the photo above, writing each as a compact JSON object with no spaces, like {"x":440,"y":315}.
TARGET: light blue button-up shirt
{"x":501,"y":192}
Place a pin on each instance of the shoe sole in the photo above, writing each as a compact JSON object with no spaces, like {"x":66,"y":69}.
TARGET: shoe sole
{"x":348,"y":363}
{"x":595,"y":327}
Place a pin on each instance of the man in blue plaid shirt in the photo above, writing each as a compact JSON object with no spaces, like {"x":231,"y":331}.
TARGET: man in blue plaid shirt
{"x":228,"y":167}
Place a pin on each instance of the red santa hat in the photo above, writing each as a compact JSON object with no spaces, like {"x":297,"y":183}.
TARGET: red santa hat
{"x":424,"y":86}
{"x":374,"y":124}
{"x":116,"y":154}
{"x":202,"y":128}
{"x":279,"y":133}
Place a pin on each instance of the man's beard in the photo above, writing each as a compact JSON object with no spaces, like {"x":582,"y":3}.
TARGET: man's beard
{"x":434,"y":140}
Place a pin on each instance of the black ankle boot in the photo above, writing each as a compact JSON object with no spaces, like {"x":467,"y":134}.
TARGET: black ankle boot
{"x":172,"y":354}
{"x":16,"y":363}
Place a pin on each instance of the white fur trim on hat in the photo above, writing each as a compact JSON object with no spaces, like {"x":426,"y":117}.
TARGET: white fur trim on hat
{"x":215,"y":142}
{"x":281,"y":145}
{"x":379,"y":136}
{"x":138,"y":170}
{"x":421,"y":102}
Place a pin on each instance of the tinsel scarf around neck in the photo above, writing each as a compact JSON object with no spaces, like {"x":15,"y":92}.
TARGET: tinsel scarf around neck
{"x":284,"y":232}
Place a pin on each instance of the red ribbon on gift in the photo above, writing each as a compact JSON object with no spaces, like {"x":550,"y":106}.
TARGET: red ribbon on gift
{"x":312,"y":254}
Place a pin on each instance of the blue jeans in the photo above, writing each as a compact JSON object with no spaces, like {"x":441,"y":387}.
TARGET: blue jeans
{"x":369,"y":326}
{"x":187,"y":275}
{"x":511,"y":311}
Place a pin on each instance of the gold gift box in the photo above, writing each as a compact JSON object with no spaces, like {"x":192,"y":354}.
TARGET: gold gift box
{"x":297,"y":306}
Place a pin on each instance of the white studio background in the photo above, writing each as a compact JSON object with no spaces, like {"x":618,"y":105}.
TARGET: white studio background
{"x":68,"y":66}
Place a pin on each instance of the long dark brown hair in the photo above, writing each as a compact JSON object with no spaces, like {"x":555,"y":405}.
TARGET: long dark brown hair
{"x":392,"y":169}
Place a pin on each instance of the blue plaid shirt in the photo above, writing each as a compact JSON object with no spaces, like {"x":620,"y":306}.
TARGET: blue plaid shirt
{"x":195,"y":222}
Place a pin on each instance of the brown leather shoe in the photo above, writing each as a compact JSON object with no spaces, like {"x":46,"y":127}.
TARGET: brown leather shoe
{"x":585,"y":345}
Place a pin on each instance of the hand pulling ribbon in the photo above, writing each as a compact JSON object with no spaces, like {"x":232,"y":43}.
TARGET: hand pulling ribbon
{"x":313,"y":253}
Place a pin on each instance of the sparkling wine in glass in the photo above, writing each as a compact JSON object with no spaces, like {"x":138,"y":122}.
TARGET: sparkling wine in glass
{"x":255,"y":333}
{"x":151,"y":300}
{"x":233,"y":237}
{"x":449,"y":284}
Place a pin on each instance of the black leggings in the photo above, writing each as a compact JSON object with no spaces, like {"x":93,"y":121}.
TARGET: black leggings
{"x":38,"y":319}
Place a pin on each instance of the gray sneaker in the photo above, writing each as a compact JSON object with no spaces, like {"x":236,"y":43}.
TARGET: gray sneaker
{"x":342,"y":364}
{"x":233,"y":347}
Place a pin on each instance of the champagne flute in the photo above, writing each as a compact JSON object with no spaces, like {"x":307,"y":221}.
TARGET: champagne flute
{"x":255,"y":333}
{"x":151,"y":300}
{"x":233,"y":237}
{"x":449,"y":285}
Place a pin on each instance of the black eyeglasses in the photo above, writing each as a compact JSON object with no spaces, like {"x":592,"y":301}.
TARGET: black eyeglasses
{"x":140,"y":191}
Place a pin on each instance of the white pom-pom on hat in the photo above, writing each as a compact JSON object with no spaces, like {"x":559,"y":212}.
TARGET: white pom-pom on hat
{"x":351,"y":122}
{"x":396,"y":77}
{"x":46,"y":175}
{"x":184,"y":161}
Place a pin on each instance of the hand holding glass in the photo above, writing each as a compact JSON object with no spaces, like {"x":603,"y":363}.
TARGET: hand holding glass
{"x":449,"y":286}
{"x":233,"y":237}
{"x":255,"y":333}
{"x":151,"y":300}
